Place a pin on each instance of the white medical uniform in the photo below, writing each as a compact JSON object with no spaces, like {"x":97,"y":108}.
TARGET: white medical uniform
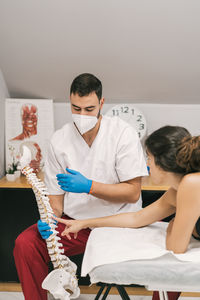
{"x":116,"y":155}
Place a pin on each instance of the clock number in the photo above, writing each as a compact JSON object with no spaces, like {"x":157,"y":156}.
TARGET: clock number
{"x":115,"y":112}
{"x":130,"y":114}
{"x":124,"y":109}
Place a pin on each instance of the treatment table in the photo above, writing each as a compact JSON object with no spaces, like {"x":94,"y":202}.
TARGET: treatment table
{"x":123,"y":256}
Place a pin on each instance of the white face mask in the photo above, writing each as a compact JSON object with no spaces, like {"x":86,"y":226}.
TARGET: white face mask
{"x":84,"y":122}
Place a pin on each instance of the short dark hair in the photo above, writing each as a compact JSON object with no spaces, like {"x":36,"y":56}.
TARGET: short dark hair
{"x":85,"y":84}
{"x":164,"y":145}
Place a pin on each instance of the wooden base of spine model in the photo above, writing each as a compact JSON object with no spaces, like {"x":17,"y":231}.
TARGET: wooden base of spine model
{"x":61,"y":282}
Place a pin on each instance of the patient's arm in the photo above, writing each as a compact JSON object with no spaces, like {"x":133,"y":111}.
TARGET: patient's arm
{"x":158,"y":210}
{"x":187,"y":212}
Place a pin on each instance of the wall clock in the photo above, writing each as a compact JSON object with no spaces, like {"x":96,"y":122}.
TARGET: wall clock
{"x":132,"y":115}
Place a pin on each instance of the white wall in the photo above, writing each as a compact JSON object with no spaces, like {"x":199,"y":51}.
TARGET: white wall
{"x":146,"y":51}
{"x":3,"y":94}
{"x":157,"y":115}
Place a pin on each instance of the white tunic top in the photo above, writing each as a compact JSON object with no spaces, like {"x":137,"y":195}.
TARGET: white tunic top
{"x":116,"y":155}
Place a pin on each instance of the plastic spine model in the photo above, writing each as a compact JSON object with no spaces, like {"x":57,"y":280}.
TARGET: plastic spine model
{"x":61,"y":282}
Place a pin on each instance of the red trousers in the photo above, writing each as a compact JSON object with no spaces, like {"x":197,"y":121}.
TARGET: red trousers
{"x":171,"y":295}
{"x":32,"y":258}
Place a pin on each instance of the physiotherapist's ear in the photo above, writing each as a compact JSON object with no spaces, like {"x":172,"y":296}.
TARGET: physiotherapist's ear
{"x":102,"y":102}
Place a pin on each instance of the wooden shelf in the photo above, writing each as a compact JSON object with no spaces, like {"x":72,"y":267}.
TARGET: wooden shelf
{"x":148,"y":185}
{"x":21,"y":182}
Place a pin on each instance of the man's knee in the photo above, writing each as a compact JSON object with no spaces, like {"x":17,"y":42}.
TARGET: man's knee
{"x":24,"y":242}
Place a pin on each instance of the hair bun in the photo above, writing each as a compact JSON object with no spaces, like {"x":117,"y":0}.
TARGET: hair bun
{"x":188,"y":154}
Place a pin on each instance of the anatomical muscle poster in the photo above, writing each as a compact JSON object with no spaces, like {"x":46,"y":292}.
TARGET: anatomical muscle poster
{"x":28,"y":122}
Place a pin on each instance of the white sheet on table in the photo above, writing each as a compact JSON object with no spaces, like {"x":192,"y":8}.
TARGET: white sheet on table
{"x":162,"y":273}
{"x":114,"y":245}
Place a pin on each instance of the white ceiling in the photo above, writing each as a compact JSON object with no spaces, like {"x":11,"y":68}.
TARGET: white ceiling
{"x":143,"y":50}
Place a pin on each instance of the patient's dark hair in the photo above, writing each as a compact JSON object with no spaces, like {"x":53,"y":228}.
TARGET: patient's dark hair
{"x":85,"y":84}
{"x":174,"y":149}
{"x":188,"y":154}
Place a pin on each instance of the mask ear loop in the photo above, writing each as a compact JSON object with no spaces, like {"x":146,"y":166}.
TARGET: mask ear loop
{"x":99,"y":113}
{"x":101,"y":104}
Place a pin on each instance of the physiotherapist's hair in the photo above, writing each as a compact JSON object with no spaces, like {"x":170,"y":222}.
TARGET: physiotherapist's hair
{"x":170,"y":147}
{"x":85,"y":84}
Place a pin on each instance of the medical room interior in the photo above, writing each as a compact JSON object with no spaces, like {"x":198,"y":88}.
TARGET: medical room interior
{"x":145,"y":53}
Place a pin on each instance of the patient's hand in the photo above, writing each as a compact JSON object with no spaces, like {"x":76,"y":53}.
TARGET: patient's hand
{"x":72,"y":226}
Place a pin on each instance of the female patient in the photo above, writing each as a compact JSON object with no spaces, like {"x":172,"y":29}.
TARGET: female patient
{"x":174,"y":160}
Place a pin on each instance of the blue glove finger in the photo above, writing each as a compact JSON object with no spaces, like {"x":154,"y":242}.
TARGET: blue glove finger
{"x":59,"y":176}
{"x":63,"y":176}
{"x":43,"y":225}
{"x":72,"y":171}
{"x":66,"y":184}
{"x":61,"y":179}
{"x":46,"y":235}
{"x":65,"y":188}
{"x":44,"y":229}
{"x":67,"y":180}
{"x":40,"y":223}
{"x":74,"y":182}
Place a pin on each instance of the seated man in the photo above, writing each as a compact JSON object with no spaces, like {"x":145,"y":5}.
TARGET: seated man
{"x":100,"y":162}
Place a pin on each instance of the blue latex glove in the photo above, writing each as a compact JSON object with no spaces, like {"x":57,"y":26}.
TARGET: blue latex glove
{"x":44,"y":229}
{"x":74,"y":182}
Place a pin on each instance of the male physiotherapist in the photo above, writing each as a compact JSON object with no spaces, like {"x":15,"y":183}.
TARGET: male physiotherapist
{"x":93,"y":168}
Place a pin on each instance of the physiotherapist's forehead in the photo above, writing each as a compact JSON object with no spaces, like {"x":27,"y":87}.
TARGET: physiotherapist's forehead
{"x":85,"y":101}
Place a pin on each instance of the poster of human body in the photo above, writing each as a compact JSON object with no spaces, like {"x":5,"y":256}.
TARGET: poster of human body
{"x":29,"y":122}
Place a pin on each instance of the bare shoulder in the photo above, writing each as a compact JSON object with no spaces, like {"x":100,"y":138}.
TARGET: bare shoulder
{"x":190,"y":181}
{"x":189,"y":188}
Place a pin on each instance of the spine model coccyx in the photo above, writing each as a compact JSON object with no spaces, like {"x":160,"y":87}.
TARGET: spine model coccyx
{"x":61,"y":282}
